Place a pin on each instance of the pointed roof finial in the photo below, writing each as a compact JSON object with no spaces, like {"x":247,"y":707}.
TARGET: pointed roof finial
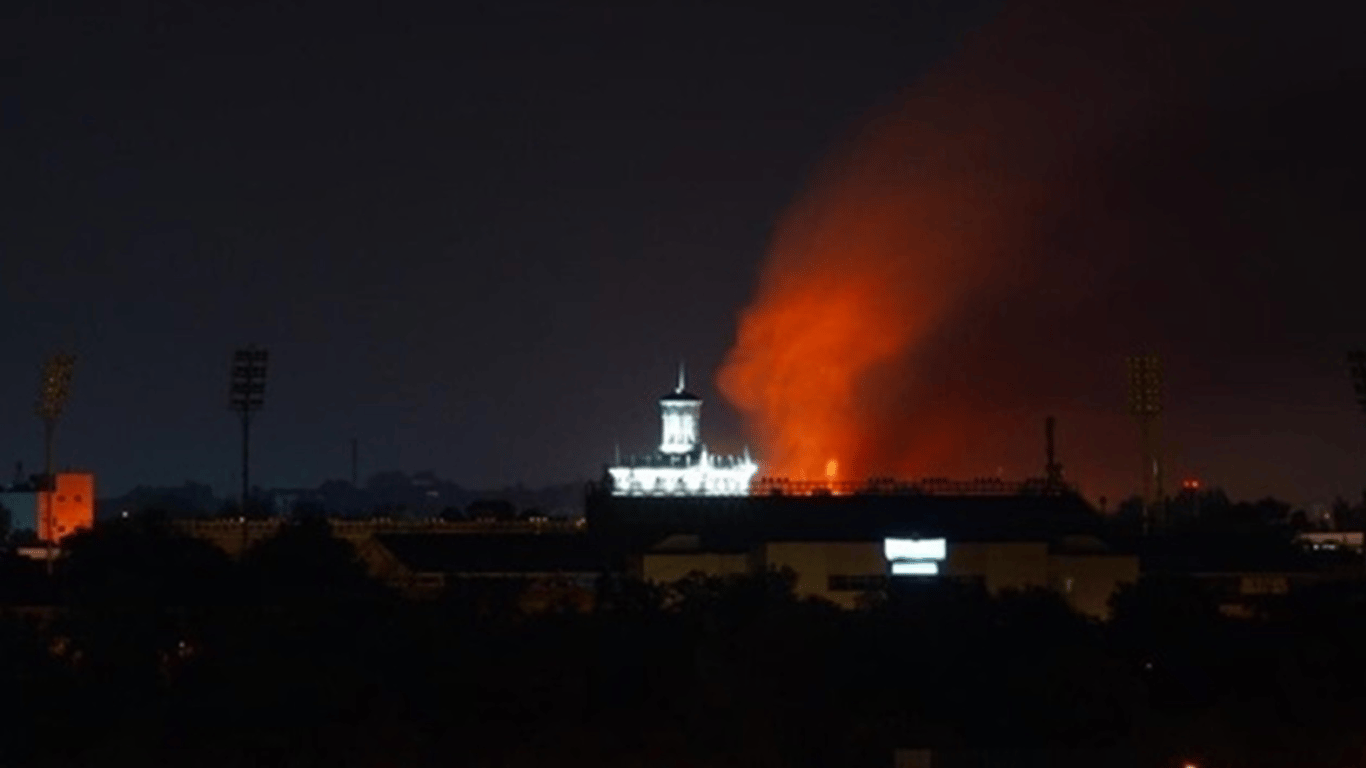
{"x":682,"y":378}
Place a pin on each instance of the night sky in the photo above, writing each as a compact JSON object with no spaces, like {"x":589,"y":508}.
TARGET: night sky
{"x":480,"y":239}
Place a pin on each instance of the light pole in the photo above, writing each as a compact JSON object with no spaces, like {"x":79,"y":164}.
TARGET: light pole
{"x":247,"y":396}
{"x":1145,"y":405}
{"x":53,"y":390}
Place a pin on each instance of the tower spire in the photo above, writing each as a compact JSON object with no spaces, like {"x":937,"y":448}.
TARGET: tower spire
{"x":682,"y":378}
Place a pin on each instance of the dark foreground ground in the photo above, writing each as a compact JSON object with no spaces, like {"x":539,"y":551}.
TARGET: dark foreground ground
{"x":149,"y":649}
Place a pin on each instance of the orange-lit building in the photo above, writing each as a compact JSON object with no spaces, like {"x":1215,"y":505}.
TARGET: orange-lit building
{"x":68,"y":506}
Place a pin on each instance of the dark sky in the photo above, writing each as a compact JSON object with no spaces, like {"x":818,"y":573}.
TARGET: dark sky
{"x":479,"y":239}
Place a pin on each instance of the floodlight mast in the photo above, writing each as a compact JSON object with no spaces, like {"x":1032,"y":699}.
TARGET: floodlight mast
{"x":1145,"y":405}
{"x":247,"y":396}
{"x":53,"y":390}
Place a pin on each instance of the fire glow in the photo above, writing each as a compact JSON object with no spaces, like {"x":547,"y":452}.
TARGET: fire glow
{"x":861,"y":272}
{"x":917,"y":224}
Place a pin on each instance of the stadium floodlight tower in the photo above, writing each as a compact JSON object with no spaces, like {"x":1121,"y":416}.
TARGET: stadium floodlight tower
{"x":1145,"y":405}
{"x":248,"y":395}
{"x":53,"y":391}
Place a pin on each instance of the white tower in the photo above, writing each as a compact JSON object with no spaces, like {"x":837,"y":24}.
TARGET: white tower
{"x":682,"y":466}
{"x":680,"y":411}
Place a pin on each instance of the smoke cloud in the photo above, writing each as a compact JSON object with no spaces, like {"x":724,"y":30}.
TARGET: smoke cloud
{"x":897,"y":325}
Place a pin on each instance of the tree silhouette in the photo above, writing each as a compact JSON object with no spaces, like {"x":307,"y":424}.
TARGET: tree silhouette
{"x":305,"y":563}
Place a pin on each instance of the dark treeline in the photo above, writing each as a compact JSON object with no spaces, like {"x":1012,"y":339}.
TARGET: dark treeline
{"x":158,"y":650}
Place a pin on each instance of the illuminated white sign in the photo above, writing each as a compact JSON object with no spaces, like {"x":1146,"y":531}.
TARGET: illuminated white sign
{"x":914,"y":549}
{"x":915,"y":568}
{"x":915,"y":557}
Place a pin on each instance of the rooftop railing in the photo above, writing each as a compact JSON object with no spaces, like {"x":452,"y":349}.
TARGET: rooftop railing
{"x":987,"y":486}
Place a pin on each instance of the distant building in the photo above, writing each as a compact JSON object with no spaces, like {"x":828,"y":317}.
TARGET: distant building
{"x":68,"y":507}
{"x":236,"y":535}
{"x":550,"y":571}
{"x":54,"y":511}
{"x":21,"y":507}
{"x":682,"y":466}
{"x":1330,"y":541}
{"x":847,"y":548}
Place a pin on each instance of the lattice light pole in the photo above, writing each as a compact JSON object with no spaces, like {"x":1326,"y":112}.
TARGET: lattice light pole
{"x":247,"y":396}
{"x":53,"y":390}
{"x":1145,"y":405}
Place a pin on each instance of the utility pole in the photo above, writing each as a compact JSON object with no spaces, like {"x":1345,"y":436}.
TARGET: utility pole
{"x":1145,"y":405}
{"x":53,"y":390}
{"x":247,"y":396}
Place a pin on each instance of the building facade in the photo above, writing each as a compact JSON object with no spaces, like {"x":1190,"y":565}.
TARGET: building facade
{"x":52,"y":512}
{"x":847,"y":573}
{"x":682,"y":466}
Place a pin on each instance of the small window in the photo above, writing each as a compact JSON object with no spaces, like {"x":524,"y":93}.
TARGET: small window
{"x":76,"y":498}
{"x":61,"y":498}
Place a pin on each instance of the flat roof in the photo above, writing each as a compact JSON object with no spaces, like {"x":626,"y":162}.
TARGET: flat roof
{"x":501,"y":553}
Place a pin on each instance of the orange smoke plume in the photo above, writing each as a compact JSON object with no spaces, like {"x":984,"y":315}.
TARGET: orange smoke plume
{"x":917,"y":219}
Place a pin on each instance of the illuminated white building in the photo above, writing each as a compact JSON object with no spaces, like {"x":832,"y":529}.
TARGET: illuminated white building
{"x":682,"y":466}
